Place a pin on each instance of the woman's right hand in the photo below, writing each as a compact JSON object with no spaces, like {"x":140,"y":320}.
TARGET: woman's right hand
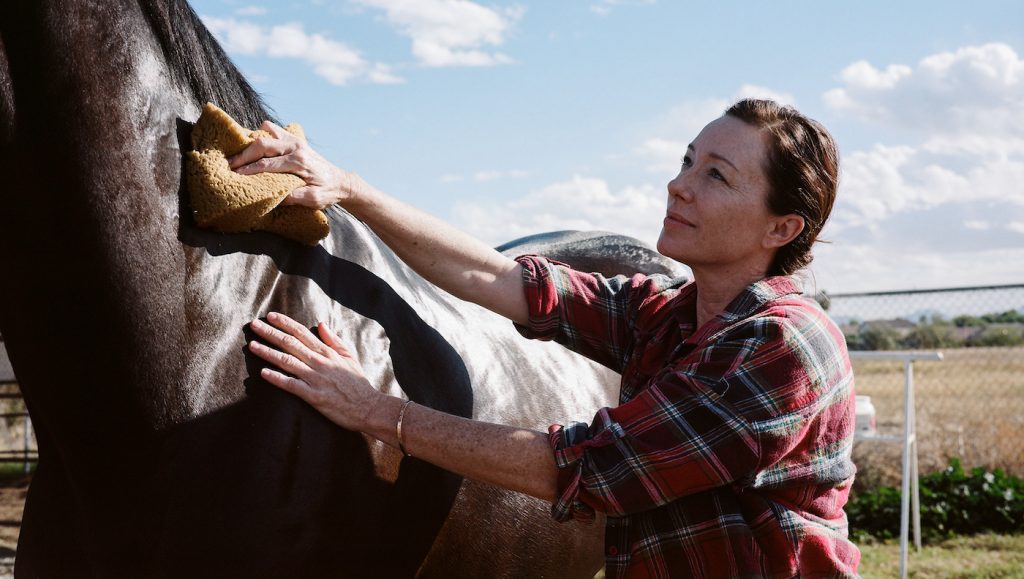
{"x":283,"y":152}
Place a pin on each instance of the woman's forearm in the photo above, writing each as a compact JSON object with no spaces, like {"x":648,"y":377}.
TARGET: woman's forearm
{"x":447,"y":257}
{"x":513,"y":458}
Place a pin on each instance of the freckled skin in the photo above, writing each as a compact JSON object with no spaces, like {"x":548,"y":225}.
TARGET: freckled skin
{"x":726,"y":205}
{"x":718,"y":221}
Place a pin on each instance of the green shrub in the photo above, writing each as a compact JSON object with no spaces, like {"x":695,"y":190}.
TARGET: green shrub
{"x":999,"y":335}
{"x":953,"y":502}
{"x":878,"y":338}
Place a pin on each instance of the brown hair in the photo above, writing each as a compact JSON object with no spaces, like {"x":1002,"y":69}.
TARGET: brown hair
{"x":802,"y":170}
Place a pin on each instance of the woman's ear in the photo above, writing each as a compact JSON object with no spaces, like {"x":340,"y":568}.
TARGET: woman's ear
{"x":782,"y":230}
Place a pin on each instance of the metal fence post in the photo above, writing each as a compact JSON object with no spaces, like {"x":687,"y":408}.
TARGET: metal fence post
{"x":28,"y":438}
{"x":910,"y":497}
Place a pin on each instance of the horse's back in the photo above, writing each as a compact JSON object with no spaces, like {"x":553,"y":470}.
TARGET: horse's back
{"x":609,"y":254}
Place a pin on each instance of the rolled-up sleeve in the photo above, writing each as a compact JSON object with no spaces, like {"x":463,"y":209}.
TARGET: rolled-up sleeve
{"x":697,"y":427}
{"x":588,"y":313}
{"x":663,"y":444}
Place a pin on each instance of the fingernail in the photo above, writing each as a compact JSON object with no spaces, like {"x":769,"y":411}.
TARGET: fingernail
{"x":272,"y":316}
{"x":257,"y":323}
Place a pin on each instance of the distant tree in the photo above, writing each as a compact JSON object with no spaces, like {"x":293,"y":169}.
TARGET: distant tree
{"x":968,"y":322}
{"x":1007,"y":317}
{"x":938,"y":334}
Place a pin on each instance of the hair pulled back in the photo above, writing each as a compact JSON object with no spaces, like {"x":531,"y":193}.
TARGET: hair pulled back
{"x":802,"y":170}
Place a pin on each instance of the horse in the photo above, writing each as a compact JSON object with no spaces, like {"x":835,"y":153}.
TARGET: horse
{"x":161,"y":451}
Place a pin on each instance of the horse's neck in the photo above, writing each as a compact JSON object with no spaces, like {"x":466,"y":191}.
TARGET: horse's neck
{"x":91,"y":219}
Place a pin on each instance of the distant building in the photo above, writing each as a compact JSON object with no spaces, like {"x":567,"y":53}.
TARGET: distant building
{"x":901,"y":327}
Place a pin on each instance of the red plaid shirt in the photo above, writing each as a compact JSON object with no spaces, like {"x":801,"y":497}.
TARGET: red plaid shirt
{"x":729,"y":452}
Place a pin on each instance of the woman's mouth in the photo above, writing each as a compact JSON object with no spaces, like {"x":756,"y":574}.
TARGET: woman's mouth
{"x":677,"y":220}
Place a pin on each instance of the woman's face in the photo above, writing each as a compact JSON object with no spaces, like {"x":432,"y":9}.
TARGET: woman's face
{"x":717,"y":205}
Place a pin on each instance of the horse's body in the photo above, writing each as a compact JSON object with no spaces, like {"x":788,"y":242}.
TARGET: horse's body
{"x":161,"y":452}
{"x":595,"y":251}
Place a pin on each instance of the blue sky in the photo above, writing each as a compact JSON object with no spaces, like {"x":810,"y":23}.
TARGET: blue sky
{"x":513,"y":118}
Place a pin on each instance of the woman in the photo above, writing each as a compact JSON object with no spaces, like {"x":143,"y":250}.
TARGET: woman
{"x":729,"y":454}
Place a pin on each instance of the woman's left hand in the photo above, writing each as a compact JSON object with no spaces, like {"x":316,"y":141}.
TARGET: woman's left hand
{"x":322,"y":371}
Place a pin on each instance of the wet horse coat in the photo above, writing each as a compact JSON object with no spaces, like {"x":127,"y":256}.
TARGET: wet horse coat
{"x":161,"y":451}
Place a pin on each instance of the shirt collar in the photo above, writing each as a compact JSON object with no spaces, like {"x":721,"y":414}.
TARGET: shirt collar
{"x":753,"y":298}
{"x":756,"y":295}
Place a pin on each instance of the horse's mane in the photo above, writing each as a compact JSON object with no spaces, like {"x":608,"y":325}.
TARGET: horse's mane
{"x":199,"y":63}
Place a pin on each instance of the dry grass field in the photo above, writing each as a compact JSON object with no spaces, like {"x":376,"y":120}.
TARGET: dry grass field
{"x":970,"y":405}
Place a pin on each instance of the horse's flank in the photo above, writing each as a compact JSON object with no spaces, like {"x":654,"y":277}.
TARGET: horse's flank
{"x":161,"y":451}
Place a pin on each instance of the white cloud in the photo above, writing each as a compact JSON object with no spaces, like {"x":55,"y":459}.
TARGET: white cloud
{"x":753,"y":91}
{"x":335,"y":61}
{"x":887,"y":180}
{"x":450,"y":32}
{"x":604,"y":7}
{"x":862,"y":74}
{"x":845,"y":267}
{"x":251,"y":11}
{"x":580,"y":203}
{"x":1016,"y":226}
{"x":663,"y":156}
{"x":960,"y":115}
{"x":968,"y":155}
{"x":973,"y":89}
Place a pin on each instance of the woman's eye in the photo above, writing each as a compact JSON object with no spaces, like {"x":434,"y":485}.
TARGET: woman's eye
{"x":686,"y":161}
{"x":716,"y":174}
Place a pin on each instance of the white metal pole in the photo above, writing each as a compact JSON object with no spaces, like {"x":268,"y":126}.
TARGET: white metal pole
{"x":915,"y":495}
{"x":910,"y":466}
{"x":915,"y":487}
{"x":908,"y":435}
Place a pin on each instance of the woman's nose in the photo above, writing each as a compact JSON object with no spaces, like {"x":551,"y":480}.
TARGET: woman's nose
{"x":680,"y":187}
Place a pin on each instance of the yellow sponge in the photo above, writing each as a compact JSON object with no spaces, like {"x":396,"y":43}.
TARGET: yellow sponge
{"x":226,"y":201}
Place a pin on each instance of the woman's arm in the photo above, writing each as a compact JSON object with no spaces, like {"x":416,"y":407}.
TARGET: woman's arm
{"x":450,"y":259}
{"x":324,"y":374}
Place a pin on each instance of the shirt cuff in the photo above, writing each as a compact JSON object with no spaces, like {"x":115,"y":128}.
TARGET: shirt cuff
{"x":542,"y":298}
{"x":570,"y":443}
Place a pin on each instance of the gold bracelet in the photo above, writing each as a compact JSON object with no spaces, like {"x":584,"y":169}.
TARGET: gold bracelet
{"x":398,"y":428}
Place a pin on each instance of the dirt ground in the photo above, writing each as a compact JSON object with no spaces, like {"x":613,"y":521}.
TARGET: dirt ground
{"x":12,"y":502}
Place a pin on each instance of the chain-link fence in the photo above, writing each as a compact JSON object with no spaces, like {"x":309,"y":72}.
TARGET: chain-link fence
{"x":971,"y":404}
